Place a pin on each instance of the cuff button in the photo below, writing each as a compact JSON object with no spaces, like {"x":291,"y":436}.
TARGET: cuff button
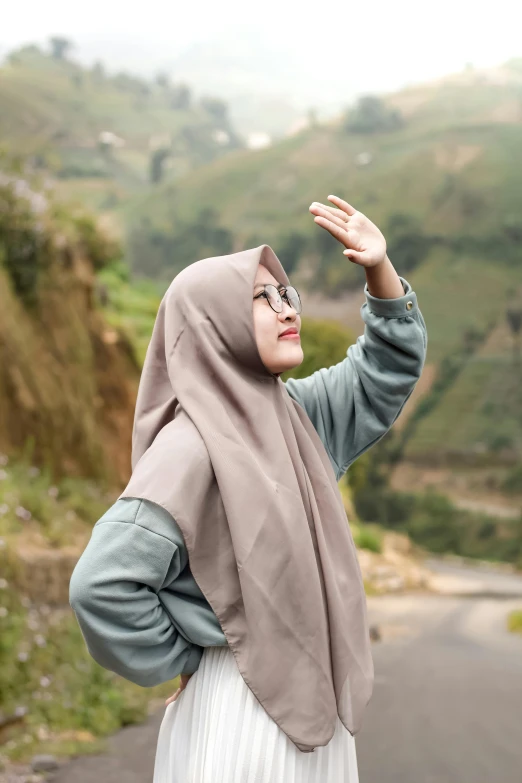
{"x":409,"y":305}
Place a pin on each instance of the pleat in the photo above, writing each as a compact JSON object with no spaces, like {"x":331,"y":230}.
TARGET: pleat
{"x":217,"y":732}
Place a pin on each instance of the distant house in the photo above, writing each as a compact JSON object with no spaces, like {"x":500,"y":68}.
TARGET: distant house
{"x":258,"y":140}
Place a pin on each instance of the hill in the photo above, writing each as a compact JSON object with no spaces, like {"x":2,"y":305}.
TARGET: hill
{"x":443,"y":186}
{"x":67,"y":379}
{"x":105,"y":135}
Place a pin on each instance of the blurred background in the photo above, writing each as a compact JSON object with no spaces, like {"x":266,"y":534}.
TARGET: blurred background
{"x":136,"y":140}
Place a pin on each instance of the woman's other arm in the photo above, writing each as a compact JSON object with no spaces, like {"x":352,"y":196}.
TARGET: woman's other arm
{"x":114,"y":594}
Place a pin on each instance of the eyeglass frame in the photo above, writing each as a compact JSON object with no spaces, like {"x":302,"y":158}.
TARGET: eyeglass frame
{"x":282,"y":295}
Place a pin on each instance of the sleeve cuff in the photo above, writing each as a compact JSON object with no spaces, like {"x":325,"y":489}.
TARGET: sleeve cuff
{"x":393,"y":308}
{"x":193,"y":660}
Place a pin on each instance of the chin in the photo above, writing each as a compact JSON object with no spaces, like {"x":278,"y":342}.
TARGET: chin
{"x":294,"y":359}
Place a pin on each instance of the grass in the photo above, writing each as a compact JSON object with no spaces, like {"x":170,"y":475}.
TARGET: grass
{"x":131,"y":306}
{"x":515,"y":621}
{"x":46,"y":674}
{"x":367,"y":536}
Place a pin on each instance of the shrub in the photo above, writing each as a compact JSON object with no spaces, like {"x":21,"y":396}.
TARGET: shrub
{"x":366,"y":538}
{"x":371,"y":115}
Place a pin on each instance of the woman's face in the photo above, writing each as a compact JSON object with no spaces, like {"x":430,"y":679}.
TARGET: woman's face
{"x":277,"y":353}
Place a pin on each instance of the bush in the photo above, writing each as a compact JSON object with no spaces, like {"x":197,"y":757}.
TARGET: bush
{"x":366,"y":538}
{"x":371,"y":115}
{"x":515,"y":621}
{"x":25,"y":241}
{"x":35,"y":233}
{"x":513,"y":481}
{"x":324,"y":343}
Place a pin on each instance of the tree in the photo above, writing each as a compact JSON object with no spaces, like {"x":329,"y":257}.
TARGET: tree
{"x":162,"y":80}
{"x":157,"y":162}
{"x":371,"y":115}
{"x":98,"y":71}
{"x":180,"y":97}
{"x":514,"y":319}
{"x":216,"y":108}
{"x":60,"y":47}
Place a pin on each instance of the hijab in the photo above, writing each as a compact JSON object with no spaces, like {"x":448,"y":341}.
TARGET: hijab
{"x":220,"y":444}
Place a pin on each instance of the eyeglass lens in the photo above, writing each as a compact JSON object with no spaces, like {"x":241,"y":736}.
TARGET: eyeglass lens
{"x":291,"y":296}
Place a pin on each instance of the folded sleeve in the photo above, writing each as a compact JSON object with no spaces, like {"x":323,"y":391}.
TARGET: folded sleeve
{"x":354,"y":403}
{"x":113,"y":592}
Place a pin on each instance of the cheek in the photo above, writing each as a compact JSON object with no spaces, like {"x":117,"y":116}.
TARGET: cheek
{"x":266,"y":329}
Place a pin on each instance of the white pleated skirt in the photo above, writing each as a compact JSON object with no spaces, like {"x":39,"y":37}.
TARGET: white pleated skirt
{"x":217,"y":732}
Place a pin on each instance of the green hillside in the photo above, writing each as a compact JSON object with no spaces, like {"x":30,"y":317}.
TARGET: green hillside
{"x":445,"y":188}
{"x":54,"y":110}
{"x":445,"y":177}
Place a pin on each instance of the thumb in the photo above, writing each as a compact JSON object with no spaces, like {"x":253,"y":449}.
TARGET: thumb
{"x":173,"y":697}
{"x":353,"y":255}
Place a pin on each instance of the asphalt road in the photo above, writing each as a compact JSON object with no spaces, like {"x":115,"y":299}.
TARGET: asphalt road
{"x":447,"y":702}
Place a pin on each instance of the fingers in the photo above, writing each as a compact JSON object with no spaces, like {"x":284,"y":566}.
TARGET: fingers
{"x":320,"y":211}
{"x":343,"y":205}
{"x":173,"y":697}
{"x":354,"y":256}
{"x":316,"y":206}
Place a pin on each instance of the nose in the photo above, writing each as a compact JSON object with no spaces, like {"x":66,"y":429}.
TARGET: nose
{"x":287,"y":312}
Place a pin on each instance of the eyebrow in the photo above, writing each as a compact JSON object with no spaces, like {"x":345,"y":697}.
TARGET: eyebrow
{"x":262,"y":285}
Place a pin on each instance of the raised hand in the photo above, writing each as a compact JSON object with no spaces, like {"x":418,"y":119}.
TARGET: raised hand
{"x":364,"y":242}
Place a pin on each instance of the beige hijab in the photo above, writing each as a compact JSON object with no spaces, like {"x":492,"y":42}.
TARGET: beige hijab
{"x":221,"y":445}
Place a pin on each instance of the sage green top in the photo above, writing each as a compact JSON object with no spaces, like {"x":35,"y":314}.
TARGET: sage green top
{"x":140,"y":611}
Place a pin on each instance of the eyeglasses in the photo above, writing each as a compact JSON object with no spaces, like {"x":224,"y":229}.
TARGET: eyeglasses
{"x":275,"y":297}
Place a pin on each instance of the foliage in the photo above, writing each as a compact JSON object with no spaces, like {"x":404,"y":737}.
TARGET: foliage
{"x":60,"y":47}
{"x":290,"y":250}
{"x":217,"y":109}
{"x":368,"y":537}
{"x":512,"y":482}
{"x":157,"y":161}
{"x":515,"y":621}
{"x":324,"y":344}
{"x":372,"y":115}
{"x":35,"y":233}
{"x":407,"y":241}
{"x":26,"y":247}
{"x":429,"y":518}
{"x":167,"y":251}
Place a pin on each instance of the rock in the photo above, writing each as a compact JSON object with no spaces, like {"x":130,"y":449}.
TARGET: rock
{"x":43,"y":763}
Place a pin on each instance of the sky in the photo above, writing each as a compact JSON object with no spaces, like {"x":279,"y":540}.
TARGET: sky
{"x":373,"y":46}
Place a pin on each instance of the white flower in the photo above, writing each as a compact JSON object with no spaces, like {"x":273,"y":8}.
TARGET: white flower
{"x":45,"y":681}
{"x":40,"y":640}
{"x":22,"y":513}
{"x":33,"y":471}
{"x":3,"y":583}
{"x":4,"y":459}
{"x":23,"y":656}
{"x":4,"y":508}
{"x":53,"y":491}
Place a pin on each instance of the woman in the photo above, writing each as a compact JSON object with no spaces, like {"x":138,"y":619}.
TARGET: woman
{"x":228,"y":558}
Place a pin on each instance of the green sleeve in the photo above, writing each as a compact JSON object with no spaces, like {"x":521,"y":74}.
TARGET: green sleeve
{"x":354,"y":403}
{"x":114,"y":594}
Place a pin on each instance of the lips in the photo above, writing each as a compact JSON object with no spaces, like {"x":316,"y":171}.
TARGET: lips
{"x":291,"y":330}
